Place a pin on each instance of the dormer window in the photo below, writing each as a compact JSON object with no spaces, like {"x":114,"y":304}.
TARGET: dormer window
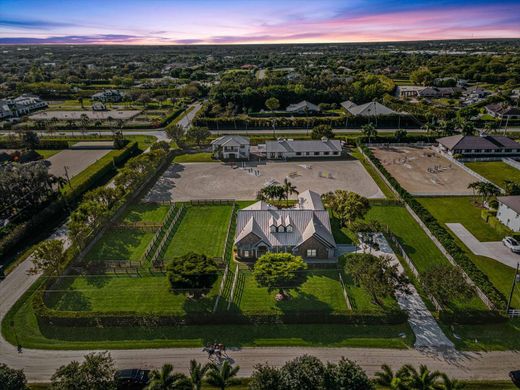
{"x":289,"y":229}
{"x":273,"y":229}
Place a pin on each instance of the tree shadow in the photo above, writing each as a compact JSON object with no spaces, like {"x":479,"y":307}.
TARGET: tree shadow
{"x":162,"y":189}
{"x":301,"y":302}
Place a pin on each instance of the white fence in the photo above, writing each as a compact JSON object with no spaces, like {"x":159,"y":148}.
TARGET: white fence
{"x":511,"y":162}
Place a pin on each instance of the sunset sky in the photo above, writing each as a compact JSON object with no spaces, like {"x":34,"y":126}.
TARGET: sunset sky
{"x":253,"y":21}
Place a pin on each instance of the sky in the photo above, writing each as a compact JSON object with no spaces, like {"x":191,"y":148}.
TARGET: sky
{"x":253,"y":21}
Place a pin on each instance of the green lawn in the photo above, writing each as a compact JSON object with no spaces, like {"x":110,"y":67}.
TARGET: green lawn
{"x":145,"y":212}
{"x":372,"y":172}
{"x":144,"y":294}
{"x":47,"y":153}
{"x":120,"y":244}
{"x":459,"y":210}
{"x":29,"y":334}
{"x":321,"y":291}
{"x":202,"y":229}
{"x":495,"y":171}
{"x":194,"y":157}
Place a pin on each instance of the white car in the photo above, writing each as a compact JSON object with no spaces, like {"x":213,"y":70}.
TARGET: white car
{"x":512,"y":244}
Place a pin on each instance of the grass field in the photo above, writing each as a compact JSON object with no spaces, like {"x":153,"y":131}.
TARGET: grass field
{"x":495,"y":171}
{"x":458,"y":210}
{"x":194,"y":157}
{"x":47,"y":153}
{"x":27,"y":331}
{"x":389,"y":194}
{"x":320,"y":292}
{"x":120,"y":244}
{"x":461,"y":210}
{"x":145,"y":212}
{"x":202,"y":230}
{"x":141,"y":294}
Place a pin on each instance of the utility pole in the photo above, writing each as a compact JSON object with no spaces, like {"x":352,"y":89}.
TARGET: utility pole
{"x":515,"y":280}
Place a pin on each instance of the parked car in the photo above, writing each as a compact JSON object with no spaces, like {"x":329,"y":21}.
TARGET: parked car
{"x":515,"y":377}
{"x":512,"y":244}
{"x":132,"y":379}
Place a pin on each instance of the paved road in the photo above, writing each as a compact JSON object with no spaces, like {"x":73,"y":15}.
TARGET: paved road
{"x":494,"y":249}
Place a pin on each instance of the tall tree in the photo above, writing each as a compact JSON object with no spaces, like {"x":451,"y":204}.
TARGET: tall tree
{"x":278,"y":271}
{"x":11,"y":379}
{"x":49,"y":257}
{"x":166,"y":379}
{"x":96,"y":372}
{"x":303,"y":373}
{"x":369,"y":131}
{"x":388,"y":379}
{"x":346,"y":374}
{"x":265,"y":377}
{"x":220,"y":376}
{"x":424,"y":379}
{"x":322,"y":131}
{"x":197,"y":373}
{"x":272,"y":104}
{"x":288,"y":189}
{"x":447,"y":284}
{"x":192,"y":272}
{"x":175,"y":132}
{"x":377,"y":274}
{"x":198,"y":134}
{"x":30,"y":140}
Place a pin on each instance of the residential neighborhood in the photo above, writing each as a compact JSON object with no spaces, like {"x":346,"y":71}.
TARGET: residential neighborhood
{"x":258,"y":196}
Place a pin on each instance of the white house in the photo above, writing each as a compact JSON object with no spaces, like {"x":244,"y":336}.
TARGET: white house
{"x":285,"y":149}
{"x":22,"y":105}
{"x":231,"y":147}
{"x":509,"y":211}
{"x":108,"y":95}
{"x":483,"y":145}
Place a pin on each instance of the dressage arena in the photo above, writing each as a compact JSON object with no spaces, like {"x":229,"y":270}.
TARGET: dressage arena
{"x":195,"y":181}
{"x":424,"y":171}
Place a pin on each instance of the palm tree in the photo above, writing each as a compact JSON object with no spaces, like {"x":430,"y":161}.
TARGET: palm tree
{"x":387,"y":378}
{"x":369,"y":131}
{"x":288,"y":189}
{"x":220,"y":376}
{"x":197,"y":373}
{"x":474,"y":187}
{"x":424,"y":379}
{"x":451,"y":384}
{"x":166,"y":379}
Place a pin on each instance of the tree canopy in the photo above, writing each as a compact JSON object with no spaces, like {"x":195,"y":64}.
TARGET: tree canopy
{"x":279,"y":270}
{"x":193,"y":272}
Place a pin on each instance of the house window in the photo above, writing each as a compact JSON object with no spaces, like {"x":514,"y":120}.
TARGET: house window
{"x":298,"y":153}
{"x":273,"y":229}
{"x":326,"y":153}
{"x":316,"y":153}
{"x":247,"y":254}
{"x":335,"y":153}
{"x":311,"y":252}
{"x":289,"y":229}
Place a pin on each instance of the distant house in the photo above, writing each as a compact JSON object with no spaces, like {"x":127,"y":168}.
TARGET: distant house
{"x":22,"y":105}
{"x":108,"y":95}
{"x":304,"y":230}
{"x":303,"y":107}
{"x":368,"y":109}
{"x":231,"y":147}
{"x":287,"y":149}
{"x":438,"y":92}
{"x":98,"y":106}
{"x":406,"y":91}
{"x":509,"y":211}
{"x":484,"y":145}
{"x":503,"y":111}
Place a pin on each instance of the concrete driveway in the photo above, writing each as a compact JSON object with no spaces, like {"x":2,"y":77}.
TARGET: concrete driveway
{"x":495,"y":249}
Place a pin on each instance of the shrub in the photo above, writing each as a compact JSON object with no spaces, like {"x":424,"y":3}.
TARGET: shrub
{"x":193,"y":272}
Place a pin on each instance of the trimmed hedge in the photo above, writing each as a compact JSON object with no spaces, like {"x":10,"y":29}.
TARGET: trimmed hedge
{"x":53,"y":317}
{"x":58,"y":208}
{"x":43,"y":144}
{"x":445,"y":238}
{"x":471,"y":317}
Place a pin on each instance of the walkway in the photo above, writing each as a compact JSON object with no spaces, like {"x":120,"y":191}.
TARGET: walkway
{"x":428,"y":333}
{"x":494,"y":249}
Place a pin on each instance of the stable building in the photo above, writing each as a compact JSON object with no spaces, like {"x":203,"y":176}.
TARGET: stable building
{"x":479,"y":146}
{"x":284,"y":149}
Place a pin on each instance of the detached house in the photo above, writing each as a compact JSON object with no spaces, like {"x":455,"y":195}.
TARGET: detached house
{"x":303,"y":107}
{"x":503,"y":111}
{"x":108,"y":95}
{"x":483,"y":145}
{"x":231,"y":147}
{"x":286,"y":149}
{"x":509,"y":211}
{"x":304,"y":230}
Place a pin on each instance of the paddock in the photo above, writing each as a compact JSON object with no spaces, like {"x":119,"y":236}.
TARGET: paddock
{"x":424,"y":171}
{"x":192,"y":181}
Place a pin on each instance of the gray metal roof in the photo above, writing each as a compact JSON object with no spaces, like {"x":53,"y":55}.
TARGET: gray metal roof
{"x":287,"y":146}
{"x":231,"y":140}
{"x":309,"y":218}
{"x":370,"y":109}
{"x":302,"y":106}
{"x":478,"y":142}
{"x":513,"y":202}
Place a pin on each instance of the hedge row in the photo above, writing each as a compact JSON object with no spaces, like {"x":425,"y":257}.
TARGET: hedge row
{"x":471,"y":317}
{"x":81,"y":318}
{"x":445,"y":238}
{"x":43,"y":144}
{"x":244,"y":122}
{"x":58,"y":208}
